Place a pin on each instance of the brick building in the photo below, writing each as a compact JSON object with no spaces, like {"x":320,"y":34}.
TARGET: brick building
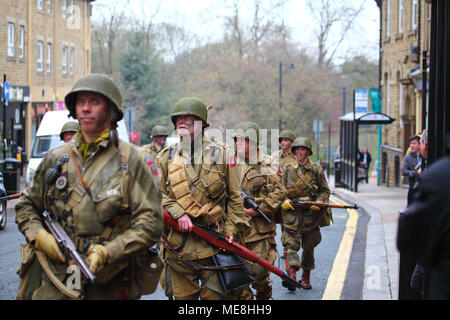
{"x":404,"y":35}
{"x":45,"y":47}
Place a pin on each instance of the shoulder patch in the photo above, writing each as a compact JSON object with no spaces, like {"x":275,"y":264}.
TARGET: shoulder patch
{"x":152,"y":165}
{"x":232,"y":160}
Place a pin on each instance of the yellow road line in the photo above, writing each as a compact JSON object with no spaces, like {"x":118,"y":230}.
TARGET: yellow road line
{"x":336,"y":280}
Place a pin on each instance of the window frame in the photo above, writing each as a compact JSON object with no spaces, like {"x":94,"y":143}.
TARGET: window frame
{"x":11,"y":39}
{"x":64,"y":60}
{"x":49,"y":57}
{"x":40,"y":56}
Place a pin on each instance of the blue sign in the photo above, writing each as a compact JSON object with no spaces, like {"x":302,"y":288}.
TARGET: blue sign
{"x":361,"y":100}
{"x":6,"y":92}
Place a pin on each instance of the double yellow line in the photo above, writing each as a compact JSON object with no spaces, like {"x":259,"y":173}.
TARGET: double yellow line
{"x":336,"y":280}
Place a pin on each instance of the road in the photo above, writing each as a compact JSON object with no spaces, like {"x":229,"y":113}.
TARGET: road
{"x":336,"y":277}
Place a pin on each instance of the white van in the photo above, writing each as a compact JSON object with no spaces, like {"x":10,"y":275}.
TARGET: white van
{"x":47,"y":137}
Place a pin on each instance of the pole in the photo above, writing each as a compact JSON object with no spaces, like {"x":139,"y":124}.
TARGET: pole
{"x":343,"y":100}
{"x":329,"y":150}
{"x":424,"y":90}
{"x":280,"y":86}
{"x":4,"y":117}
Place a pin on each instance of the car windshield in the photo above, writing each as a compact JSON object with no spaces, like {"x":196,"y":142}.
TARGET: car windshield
{"x":44,"y":143}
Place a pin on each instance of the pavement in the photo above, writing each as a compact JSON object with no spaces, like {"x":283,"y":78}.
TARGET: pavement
{"x":382,"y":205}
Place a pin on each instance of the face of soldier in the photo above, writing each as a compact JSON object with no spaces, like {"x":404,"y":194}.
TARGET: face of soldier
{"x":245,"y":149}
{"x":93,"y":113}
{"x":301,"y":154}
{"x":67,"y":136}
{"x":286,"y":144}
{"x":188,"y":125}
{"x":160,"y":140}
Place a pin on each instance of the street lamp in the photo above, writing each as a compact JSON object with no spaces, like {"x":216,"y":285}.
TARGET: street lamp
{"x":280,"y":86}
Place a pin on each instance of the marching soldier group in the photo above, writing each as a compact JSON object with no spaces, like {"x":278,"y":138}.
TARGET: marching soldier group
{"x":110,"y":197}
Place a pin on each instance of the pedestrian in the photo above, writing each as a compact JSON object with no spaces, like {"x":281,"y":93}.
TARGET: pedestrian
{"x":68,"y":130}
{"x":199,"y":186}
{"x":261,"y":180}
{"x":106,"y":198}
{"x":303,"y":180}
{"x":159,"y":135}
{"x":365,"y":159}
{"x":286,"y":138}
{"x":410,"y":166}
{"x":424,"y":229}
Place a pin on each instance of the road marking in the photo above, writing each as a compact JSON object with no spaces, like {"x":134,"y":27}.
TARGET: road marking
{"x":336,"y":280}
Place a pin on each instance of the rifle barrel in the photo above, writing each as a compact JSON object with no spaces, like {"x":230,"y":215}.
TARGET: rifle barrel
{"x":322,"y":205}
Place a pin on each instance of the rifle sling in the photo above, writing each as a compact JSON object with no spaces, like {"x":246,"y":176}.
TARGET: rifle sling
{"x":42,"y":258}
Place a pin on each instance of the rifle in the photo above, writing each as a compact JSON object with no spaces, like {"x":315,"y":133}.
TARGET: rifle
{"x":252,"y":204}
{"x":67,"y":245}
{"x":13,"y":196}
{"x":220,"y":241}
{"x":307,"y":204}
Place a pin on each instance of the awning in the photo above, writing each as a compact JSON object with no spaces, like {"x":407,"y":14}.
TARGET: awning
{"x":367,"y":118}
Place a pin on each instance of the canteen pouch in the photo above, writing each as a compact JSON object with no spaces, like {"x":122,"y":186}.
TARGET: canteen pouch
{"x":326,"y":217}
{"x":233,"y":278}
{"x":148,"y":268}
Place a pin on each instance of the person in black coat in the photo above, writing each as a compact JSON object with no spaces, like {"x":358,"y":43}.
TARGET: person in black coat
{"x":424,"y":229}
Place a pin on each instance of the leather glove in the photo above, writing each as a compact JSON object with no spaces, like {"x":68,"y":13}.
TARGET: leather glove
{"x":97,"y":256}
{"x":314,"y":208}
{"x":46,"y":243}
{"x":286,"y":205}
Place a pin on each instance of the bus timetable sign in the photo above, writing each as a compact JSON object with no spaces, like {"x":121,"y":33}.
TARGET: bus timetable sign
{"x":361,"y":100}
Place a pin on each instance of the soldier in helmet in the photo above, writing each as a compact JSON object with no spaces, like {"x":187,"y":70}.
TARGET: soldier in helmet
{"x":197,"y":185}
{"x":260,"y":180}
{"x":105,"y":196}
{"x":68,"y":130}
{"x":286,"y":138}
{"x":303,"y":180}
{"x":159,"y":136}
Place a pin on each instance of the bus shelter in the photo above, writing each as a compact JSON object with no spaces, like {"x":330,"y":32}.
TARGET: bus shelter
{"x":349,"y":133}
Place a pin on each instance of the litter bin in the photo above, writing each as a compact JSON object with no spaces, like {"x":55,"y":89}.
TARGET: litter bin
{"x":11,"y":175}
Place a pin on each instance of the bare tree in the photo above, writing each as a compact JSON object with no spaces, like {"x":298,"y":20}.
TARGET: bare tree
{"x":105,"y":31}
{"x":335,"y":19}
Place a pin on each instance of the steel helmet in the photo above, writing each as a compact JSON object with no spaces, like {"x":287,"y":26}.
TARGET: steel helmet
{"x":159,"y":131}
{"x":71,"y":126}
{"x":288,"y":134}
{"x":302,"y":142}
{"x":190,"y":106}
{"x":99,"y":83}
{"x":247,"y":129}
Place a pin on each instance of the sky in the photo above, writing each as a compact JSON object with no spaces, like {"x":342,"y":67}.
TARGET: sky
{"x":205,"y":19}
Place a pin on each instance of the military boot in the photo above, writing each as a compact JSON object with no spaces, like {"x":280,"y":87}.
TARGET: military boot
{"x":264,"y":292}
{"x":305,"y":280}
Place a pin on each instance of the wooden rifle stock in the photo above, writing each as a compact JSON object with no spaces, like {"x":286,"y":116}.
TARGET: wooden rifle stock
{"x":222,"y":242}
{"x":307,"y":204}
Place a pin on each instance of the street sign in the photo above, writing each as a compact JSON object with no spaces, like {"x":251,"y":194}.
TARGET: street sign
{"x":317,"y":125}
{"x":361,"y":100}
{"x":6,"y":93}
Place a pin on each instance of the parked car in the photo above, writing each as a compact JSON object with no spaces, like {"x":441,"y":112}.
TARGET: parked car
{"x":3,"y":214}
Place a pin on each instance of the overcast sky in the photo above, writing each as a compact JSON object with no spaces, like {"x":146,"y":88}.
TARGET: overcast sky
{"x":205,"y":19}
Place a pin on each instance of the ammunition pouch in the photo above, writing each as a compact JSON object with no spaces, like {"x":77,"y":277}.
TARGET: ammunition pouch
{"x":147,"y":270}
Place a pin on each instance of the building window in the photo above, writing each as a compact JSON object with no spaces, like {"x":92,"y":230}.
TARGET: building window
{"x":10,"y":39}
{"x":40,"y":5}
{"x":388,"y":18}
{"x":72,"y":59}
{"x":388,"y":99}
{"x":49,"y":57}
{"x":49,"y":6}
{"x":40,"y":54}
{"x":64,"y":60}
{"x":400,"y":16}
{"x":22,"y":42}
{"x":71,"y":8}
{"x":413,"y":14}
{"x":64,"y":8}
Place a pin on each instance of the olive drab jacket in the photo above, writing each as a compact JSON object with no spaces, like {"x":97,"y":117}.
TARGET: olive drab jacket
{"x":283,"y":157}
{"x":153,"y":149}
{"x":263,"y":183}
{"x":121,"y":187}
{"x":306,"y":183}
{"x":206,"y":189}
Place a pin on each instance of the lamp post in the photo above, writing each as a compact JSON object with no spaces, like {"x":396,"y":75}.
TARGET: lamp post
{"x":280,"y":88}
